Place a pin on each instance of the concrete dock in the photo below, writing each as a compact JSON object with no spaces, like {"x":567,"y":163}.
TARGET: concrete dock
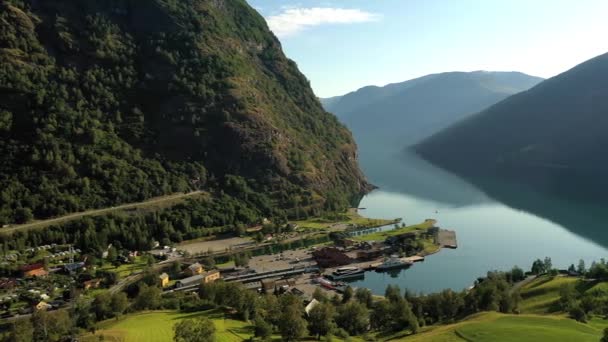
{"x":447,"y":238}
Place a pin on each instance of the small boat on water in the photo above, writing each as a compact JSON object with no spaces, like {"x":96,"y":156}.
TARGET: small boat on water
{"x":348,"y":272}
{"x":394,"y":262}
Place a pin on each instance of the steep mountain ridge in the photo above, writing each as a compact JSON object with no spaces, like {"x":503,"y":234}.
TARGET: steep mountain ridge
{"x":551,"y":137}
{"x":117,"y":101}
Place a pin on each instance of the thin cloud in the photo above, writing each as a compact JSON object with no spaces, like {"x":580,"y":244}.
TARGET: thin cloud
{"x":293,"y":20}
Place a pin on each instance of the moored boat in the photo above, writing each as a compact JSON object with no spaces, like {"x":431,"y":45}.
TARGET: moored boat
{"x":344,"y":273}
{"x":394,"y":262}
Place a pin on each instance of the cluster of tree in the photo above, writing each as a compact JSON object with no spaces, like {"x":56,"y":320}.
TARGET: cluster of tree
{"x":356,"y":312}
{"x":542,"y":266}
{"x":42,"y":326}
{"x":581,"y":299}
{"x":199,"y":329}
{"x":138,"y":230}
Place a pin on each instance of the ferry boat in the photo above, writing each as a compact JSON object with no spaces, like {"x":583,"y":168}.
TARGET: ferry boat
{"x":348,"y":272}
{"x":393,"y":262}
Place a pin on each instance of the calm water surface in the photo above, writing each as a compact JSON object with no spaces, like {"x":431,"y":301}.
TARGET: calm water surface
{"x":491,"y":234}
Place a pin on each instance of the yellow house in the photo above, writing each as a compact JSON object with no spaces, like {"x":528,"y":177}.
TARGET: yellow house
{"x":211,"y":276}
{"x":163,"y":280}
{"x":42,"y":306}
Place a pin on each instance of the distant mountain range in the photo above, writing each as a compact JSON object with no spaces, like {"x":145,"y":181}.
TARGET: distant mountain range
{"x":552,"y":136}
{"x":384,"y":120}
{"x":401,"y":114}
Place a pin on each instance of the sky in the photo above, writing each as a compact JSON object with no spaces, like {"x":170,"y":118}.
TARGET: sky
{"x":343,"y":45}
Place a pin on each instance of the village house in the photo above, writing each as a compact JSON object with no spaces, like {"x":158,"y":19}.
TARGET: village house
{"x":7,"y":283}
{"x":34,"y":270}
{"x":195,"y":269}
{"x":310,"y":306}
{"x":163,"y":280}
{"x":91,"y":284}
{"x":211,"y":276}
{"x":73,"y":267}
{"x":42,"y":305}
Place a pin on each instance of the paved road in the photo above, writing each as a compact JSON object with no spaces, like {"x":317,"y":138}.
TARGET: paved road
{"x":522,"y":283}
{"x":69,"y":217}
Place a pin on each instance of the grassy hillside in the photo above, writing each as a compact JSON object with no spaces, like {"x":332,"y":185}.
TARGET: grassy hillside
{"x":110,"y":102}
{"x":158,"y":327}
{"x":496,"y":327}
{"x":551,"y":137}
{"x":541,"y":295}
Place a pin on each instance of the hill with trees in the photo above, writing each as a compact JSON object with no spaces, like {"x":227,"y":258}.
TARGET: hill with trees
{"x":109,"y":102}
{"x":551,"y":137}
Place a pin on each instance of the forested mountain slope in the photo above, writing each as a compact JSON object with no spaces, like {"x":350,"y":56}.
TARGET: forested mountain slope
{"x":552,"y":137}
{"x":107,"y":102}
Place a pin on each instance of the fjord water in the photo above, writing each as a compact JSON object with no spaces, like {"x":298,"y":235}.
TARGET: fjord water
{"x":492,"y":234}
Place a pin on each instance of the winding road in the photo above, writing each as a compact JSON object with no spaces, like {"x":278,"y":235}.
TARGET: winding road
{"x":94,"y":212}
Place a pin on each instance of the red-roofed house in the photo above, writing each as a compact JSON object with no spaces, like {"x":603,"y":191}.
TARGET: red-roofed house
{"x":34,"y":270}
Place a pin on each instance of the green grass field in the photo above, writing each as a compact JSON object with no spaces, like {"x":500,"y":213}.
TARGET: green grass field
{"x":158,"y":327}
{"x":126,"y":269}
{"x":496,"y":327}
{"x":353,"y":217}
{"x":381,"y":236}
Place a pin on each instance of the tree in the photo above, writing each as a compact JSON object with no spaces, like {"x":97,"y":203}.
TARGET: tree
{"x":291,"y":324}
{"x":147,"y":298}
{"x":401,"y":316}
{"x":269,"y":309}
{"x":23,"y":215}
{"x":319,"y":295}
{"x":320,"y":319}
{"x":548,"y":264}
{"x":21,"y":331}
{"x":364,"y":296}
{"x":262,"y":328}
{"x":150,"y":260}
{"x":353,"y":317}
{"x":112,"y":254}
{"x":194,"y":330}
{"x":208,"y":262}
{"x":538,"y":267}
{"x":577,"y":313}
{"x":347,"y":295}
{"x":119,"y":303}
{"x":581,"y":267}
{"x":176,"y":268}
{"x":101,"y":306}
{"x":605,"y":337}
{"x":258,"y":237}
{"x":392,"y":293}
{"x":380,"y":316}
{"x":81,"y":313}
{"x":517,"y":274}
{"x":50,"y":327}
